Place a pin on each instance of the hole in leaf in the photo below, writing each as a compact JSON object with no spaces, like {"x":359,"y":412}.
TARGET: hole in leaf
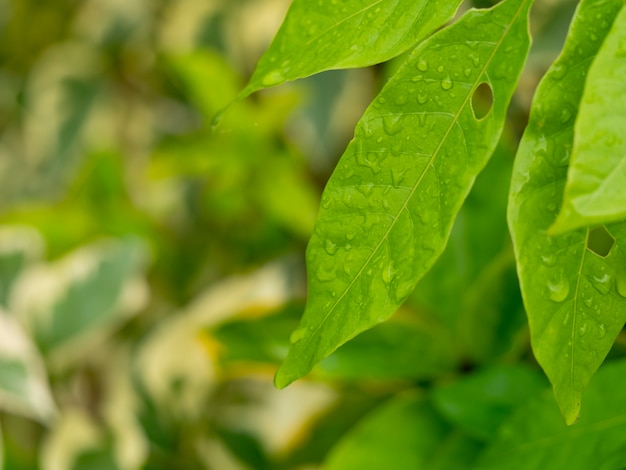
{"x":600,"y":241}
{"x":482,"y":100}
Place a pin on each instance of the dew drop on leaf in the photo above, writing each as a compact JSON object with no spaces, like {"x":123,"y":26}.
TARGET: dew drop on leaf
{"x":392,"y":124}
{"x":297,"y":335}
{"x":324,"y":274}
{"x":582,"y":329}
{"x":330,"y":247}
{"x":446,"y":83}
{"x":422,"y":65}
{"x":601,"y":331}
{"x":422,"y":99}
{"x":273,"y":78}
{"x":558,"y":289}
{"x":602,"y":283}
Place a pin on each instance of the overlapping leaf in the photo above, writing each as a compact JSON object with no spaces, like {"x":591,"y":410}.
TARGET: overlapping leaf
{"x":574,"y":297}
{"x":535,"y":438}
{"x":331,"y":34}
{"x":596,"y":183}
{"x":388,"y":209}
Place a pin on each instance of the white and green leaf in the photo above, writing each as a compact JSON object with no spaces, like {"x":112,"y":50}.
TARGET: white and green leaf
{"x":24,"y":386}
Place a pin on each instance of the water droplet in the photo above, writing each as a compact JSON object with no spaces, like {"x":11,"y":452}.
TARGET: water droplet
{"x":369,"y":160}
{"x":446,"y":83}
{"x":549,"y":260}
{"x":298,"y":335}
{"x":422,"y":65}
{"x":347,"y":247}
{"x":325,"y":273}
{"x":350,"y":236}
{"x":565,"y":115}
{"x":422,"y":99}
{"x":392,"y":124}
{"x":467,"y":72}
{"x":440,"y":68}
{"x":582,"y":329}
{"x":601,"y":330}
{"x":401,"y":100}
{"x":273,"y":78}
{"x":602,"y":283}
{"x":475,"y":59}
{"x":416,"y":78}
{"x":330,"y":247}
{"x":388,"y":273}
{"x":558,"y":289}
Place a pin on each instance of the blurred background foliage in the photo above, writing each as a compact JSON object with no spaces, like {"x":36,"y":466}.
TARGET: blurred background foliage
{"x":151,"y":270}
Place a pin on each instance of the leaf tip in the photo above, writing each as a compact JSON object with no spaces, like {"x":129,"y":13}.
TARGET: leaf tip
{"x":282,"y":378}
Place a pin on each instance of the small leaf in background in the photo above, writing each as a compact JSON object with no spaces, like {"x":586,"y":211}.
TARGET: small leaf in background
{"x":535,"y":437}
{"x":351,"y":33}
{"x":81,"y":296}
{"x":574,"y":297}
{"x":19,"y":245}
{"x":595,"y":192}
{"x":388,"y":208}
{"x":23,"y":383}
{"x":479,"y":403}
{"x":405,"y":433}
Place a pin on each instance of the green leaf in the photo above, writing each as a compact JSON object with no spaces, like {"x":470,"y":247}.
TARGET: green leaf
{"x":535,"y":437}
{"x":405,"y":432}
{"x":327,"y":34}
{"x":479,"y":403}
{"x":595,"y":192}
{"x":574,"y":305}
{"x":23,"y":384}
{"x":388,"y":208}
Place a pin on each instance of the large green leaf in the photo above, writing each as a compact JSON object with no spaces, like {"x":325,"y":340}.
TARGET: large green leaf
{"x":405,"y":433}
{"x":388,"y":208}
{"x":535,"y":437}
{"x":596,"y":183}
{"x":573,"y":296}
{"x":327,"y":34}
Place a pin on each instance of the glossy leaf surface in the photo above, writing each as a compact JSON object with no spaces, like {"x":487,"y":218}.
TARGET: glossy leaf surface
{"x":574,"y":297}
{"x":535,"y":437}
{"x":595,"y":192}
{"x":388,"y":208}
{"x":328,"y":34}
